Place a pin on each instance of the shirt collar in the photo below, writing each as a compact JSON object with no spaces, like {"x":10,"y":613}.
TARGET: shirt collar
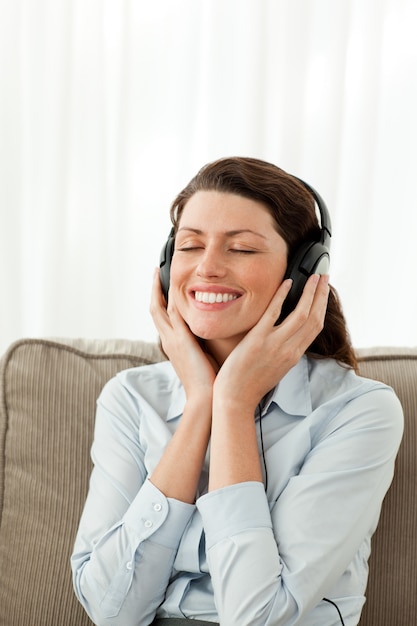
{"x":176,"y":407}
{"x":292,"y":394}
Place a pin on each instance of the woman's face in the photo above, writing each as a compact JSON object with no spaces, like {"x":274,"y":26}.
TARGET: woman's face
{"x":228,"y":263}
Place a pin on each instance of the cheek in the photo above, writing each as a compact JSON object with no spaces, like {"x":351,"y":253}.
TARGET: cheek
{"x":175,"y":273}
{"x":267,"y":280}
{"x":177,"y":277}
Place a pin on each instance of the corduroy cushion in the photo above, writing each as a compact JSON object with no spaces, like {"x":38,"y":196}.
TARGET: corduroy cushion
{"x":47,"y":406}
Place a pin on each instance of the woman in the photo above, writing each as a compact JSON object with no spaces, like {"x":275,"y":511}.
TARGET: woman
{"x":240,"y":481}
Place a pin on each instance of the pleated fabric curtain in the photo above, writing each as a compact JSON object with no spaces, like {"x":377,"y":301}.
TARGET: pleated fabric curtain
{"x":108,"y":108}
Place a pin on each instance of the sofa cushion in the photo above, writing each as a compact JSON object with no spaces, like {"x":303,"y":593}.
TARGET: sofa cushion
{"x":48,"y":394}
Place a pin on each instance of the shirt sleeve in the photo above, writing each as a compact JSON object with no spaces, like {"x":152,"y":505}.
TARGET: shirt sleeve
{"x":273,"y":562}
{"x":129,"y":531}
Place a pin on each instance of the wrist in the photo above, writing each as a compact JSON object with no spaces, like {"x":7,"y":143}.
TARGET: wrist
{"x":234,"y":408}
{"x":200,"y":402}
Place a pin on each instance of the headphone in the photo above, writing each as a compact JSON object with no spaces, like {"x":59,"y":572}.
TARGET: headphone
{"x":311,"y":257}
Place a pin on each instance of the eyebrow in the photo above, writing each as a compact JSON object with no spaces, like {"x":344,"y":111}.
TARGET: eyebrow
{"x":229,"y":233}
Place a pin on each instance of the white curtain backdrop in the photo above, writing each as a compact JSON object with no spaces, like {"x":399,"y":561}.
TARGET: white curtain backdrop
{"x":108,"y":107}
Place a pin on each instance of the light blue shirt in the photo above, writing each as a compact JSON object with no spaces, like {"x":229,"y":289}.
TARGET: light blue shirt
{"x":240,"y":556}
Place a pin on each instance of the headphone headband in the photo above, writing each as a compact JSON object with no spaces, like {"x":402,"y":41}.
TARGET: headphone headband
{"x":325,"y":221}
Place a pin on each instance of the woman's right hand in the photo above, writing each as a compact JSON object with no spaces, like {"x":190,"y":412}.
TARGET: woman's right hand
{"x":179,"y":469}
{"x":194,"y":368}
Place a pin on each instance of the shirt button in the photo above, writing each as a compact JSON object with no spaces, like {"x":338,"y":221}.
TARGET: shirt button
{"x":129,"y":565}
{"x":148,"y":523}
{"x":157,"y":507}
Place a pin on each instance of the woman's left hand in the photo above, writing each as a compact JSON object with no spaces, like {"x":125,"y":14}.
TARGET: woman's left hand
{"x":268,"y":352}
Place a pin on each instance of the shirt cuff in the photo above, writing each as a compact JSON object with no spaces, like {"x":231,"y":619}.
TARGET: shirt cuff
{"x":153,"y":515}
{"x":232,"y":510}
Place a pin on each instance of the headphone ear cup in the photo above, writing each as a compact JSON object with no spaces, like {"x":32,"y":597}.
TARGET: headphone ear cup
{"x":167,"y":253}
{"x":310,"y":258}
{"x":299,"y":280}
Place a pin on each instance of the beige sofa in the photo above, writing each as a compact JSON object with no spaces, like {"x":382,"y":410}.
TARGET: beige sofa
{"x":47,"y":405}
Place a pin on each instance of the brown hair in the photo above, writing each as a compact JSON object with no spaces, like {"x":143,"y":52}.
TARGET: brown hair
{"x":292,"y":207}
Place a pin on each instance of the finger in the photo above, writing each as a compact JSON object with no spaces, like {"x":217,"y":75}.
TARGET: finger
{"x":319,"y":305}
{"x":314,"y":289}
{"x":157,"y":308}
{"x":157,"y":286}
{"x":274,"y":308}
{"x":321,"y":295}
{"x":307,"y":319}
{"x":175,"y":317}
{"x":316,"y":293}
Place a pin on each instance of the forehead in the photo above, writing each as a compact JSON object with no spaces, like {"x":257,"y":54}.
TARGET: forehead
{"x":226,"y":210}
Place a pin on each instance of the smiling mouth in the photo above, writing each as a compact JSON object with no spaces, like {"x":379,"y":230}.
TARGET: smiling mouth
{"x":209,"y":297}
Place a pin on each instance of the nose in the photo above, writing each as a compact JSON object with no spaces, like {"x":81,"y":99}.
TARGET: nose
{"x":211,"y":263}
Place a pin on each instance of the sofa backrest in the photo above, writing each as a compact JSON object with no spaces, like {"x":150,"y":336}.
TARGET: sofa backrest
{"x":48,"y":391}
{"x":392,"y":588}
{"x":47,"y":405}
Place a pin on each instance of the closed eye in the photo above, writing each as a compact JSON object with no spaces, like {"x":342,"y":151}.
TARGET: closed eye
{"x":243,"y":251}
{"x":234,"y":250}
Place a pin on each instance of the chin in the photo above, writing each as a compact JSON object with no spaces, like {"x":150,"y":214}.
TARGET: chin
{"x":210,"y":334}
{"x":204,"y":333}
{"x":212,"y":330}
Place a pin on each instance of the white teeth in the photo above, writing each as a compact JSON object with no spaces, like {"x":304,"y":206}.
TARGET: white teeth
{"x":209,"y":297}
